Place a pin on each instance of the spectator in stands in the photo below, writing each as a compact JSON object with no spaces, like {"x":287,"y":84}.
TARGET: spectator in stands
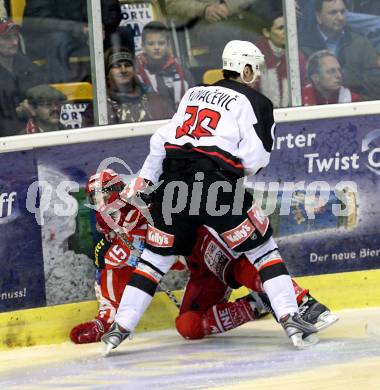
{"x":43,"y":108}
{"x":55,"y":30}
{"x":363,"y":17}
{"x":274,"y":80}
{"x":355,"y":53}
{"x":3,"y":11}
{"x":326,"y":78}
{"x":17,"y":74}
{"x":128,"y":99}
{"x":212,"y":23}
{"x":156,"y":67}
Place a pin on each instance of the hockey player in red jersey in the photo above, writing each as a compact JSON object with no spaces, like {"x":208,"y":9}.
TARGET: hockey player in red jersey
{"x":114,"y":260}
{"x":214,"y":272}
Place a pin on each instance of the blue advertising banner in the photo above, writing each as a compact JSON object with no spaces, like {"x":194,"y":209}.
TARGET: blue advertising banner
{"x":21,"y":262}
{"x":328,"y":175}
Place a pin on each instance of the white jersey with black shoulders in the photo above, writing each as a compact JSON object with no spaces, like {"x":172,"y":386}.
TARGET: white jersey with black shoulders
{"x":228,"y":122}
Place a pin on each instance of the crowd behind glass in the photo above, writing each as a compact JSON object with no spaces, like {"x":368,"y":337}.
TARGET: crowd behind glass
{"x":149,"y":65}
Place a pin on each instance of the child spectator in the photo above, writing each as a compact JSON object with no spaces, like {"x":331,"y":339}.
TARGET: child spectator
{"x":157,"y":67}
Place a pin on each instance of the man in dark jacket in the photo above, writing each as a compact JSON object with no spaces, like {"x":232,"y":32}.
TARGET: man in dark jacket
{"x":128,"y":99}
{"x":355,"y":53}
{"x":17,"y":74}
{"x":55,"y":30}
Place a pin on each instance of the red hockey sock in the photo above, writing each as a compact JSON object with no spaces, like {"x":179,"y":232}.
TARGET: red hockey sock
{"x":218,"y":319}
{"x":300,"y":292}
{"x":246,"y":274}
{"x":227,"y":316}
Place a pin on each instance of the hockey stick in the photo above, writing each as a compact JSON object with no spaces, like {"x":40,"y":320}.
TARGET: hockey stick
{"x":163,"y":288}
{"x":170,"y":294}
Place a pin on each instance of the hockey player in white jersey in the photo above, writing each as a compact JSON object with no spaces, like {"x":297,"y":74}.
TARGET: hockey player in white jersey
{"x":219,"y":134}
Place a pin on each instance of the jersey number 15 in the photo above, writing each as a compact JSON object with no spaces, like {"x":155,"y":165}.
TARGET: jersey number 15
{"x":193,"y":126}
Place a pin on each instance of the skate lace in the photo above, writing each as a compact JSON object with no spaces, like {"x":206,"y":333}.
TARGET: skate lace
{"x":303,"y":309}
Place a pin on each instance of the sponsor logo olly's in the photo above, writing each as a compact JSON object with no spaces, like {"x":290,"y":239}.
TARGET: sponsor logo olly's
{"x":242,"y":232}
{"x":158,"y":238}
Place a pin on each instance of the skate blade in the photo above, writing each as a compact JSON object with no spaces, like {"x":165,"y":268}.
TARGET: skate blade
{"x":304,"y":343}
{"x":106,"y":349}
{"x":325,"y":320}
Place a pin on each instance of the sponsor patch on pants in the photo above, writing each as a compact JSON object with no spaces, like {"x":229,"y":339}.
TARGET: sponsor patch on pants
{"x":259,"y":219}
{"x":216,"y":260}
{"x":158,"y":238}
{"x":239,"y":234}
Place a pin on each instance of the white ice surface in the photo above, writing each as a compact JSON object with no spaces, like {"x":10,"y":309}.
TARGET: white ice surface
{"x":255,"y":356}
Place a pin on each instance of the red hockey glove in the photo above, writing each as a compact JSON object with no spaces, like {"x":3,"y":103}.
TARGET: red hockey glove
{"x":88,"y":332}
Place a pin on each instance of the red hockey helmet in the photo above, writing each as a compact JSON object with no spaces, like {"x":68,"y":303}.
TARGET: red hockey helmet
{"x":104,"y":187}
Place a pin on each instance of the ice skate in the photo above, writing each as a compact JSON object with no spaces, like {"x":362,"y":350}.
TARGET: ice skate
{"x":302,"y":334}
{"x":113,"y":338}
{"x":316,"y":313}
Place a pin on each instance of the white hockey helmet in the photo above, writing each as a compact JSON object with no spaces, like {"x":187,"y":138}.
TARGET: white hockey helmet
{"x":237,"y":54}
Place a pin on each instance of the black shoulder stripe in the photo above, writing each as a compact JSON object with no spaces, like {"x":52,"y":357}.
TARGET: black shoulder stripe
{"x":262,"y":107}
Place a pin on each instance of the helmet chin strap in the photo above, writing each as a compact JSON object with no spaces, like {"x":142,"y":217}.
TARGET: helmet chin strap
{"x":254,"y":78}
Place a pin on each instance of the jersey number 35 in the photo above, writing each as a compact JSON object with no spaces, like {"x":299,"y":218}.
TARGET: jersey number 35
{"x":193,"y":126}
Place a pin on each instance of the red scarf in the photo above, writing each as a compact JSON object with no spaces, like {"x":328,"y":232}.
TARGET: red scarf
{"x":31,"y":127}
{"x":272,"y":61}
{"x":142,"y":64}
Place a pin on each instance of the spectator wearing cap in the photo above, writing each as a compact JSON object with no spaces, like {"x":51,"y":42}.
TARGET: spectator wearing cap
{"x":158,"y":68}
{"x":326,"y":87}
{"x":128,"y":99}
{"x":17,"y":74}
{"x":274,"y":80}
{"x":43,"y":108}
